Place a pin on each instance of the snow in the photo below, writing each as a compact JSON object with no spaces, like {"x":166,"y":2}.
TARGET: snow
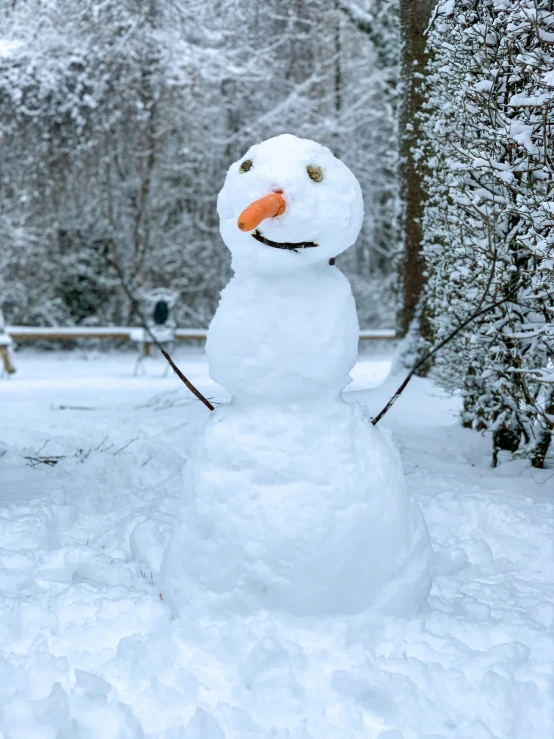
{"x":289,"y":488}
{"x":8,"y":47}
{"x":291,"y":338}
{"x":89,"y":650}
{"x":523,"y":135}
{"x":279,"y":509}
{"x":484,"y":85}
{"x":446,"y":7}
{"x":522,"y":100}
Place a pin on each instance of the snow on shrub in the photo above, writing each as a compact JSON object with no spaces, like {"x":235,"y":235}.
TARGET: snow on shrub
{"x":490,"y":213}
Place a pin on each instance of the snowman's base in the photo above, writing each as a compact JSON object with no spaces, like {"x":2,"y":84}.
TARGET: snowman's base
{"x":302,"y":508}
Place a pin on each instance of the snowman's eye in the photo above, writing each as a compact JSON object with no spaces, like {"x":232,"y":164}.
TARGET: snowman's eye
{"x":314,"y":173}
{"x":246,"y":166}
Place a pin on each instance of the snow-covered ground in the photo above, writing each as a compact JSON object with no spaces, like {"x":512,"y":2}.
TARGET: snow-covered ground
{"x":89,"y":650}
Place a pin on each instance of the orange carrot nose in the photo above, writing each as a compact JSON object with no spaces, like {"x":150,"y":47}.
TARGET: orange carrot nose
{"x":271,"y":205}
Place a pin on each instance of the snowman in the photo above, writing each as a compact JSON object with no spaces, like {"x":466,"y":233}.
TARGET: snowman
{"x":292,"y":500}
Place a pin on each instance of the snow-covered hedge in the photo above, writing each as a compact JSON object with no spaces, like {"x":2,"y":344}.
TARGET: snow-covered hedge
{"x":489,"y":221}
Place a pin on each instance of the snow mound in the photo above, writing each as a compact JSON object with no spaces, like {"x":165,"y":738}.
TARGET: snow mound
{"x":475,"y":663}
{"x":303,"y":509}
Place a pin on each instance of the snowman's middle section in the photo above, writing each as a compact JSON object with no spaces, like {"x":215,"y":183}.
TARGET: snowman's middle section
{"x":294,"y":337}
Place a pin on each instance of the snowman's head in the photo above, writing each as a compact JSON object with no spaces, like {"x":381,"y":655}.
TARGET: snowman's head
{"x":288,"y":203}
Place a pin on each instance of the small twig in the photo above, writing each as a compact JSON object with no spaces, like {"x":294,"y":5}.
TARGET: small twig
{"x":430,"y":354}
{"x":50,"y":461}
{"x":126,"y":445}
{"x":96,"y":448}
{"x":189,"y":384}
{"x":42,"y":447}
{"x":76,"y":408}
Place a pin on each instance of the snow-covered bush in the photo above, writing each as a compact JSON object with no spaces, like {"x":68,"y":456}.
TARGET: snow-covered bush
{"x":489,"y":220}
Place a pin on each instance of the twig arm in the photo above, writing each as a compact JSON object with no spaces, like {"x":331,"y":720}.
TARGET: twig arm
{"x":189,"y":384}
{"x":430,"y":354}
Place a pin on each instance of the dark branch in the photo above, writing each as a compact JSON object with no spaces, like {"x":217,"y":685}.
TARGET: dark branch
{"x":189,"y":384}
{"x":432,"y":353}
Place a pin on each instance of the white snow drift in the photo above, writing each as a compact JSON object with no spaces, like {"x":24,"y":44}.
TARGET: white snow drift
{"x":88,"y":650}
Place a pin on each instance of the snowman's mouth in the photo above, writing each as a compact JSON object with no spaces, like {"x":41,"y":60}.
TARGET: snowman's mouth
{"x":289,"y":245}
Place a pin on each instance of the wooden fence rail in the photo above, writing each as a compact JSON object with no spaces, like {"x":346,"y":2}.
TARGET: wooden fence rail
{"x":64,"y":333}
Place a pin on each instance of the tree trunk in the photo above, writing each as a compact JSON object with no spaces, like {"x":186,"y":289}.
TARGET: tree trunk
{"x":414,"y":19}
